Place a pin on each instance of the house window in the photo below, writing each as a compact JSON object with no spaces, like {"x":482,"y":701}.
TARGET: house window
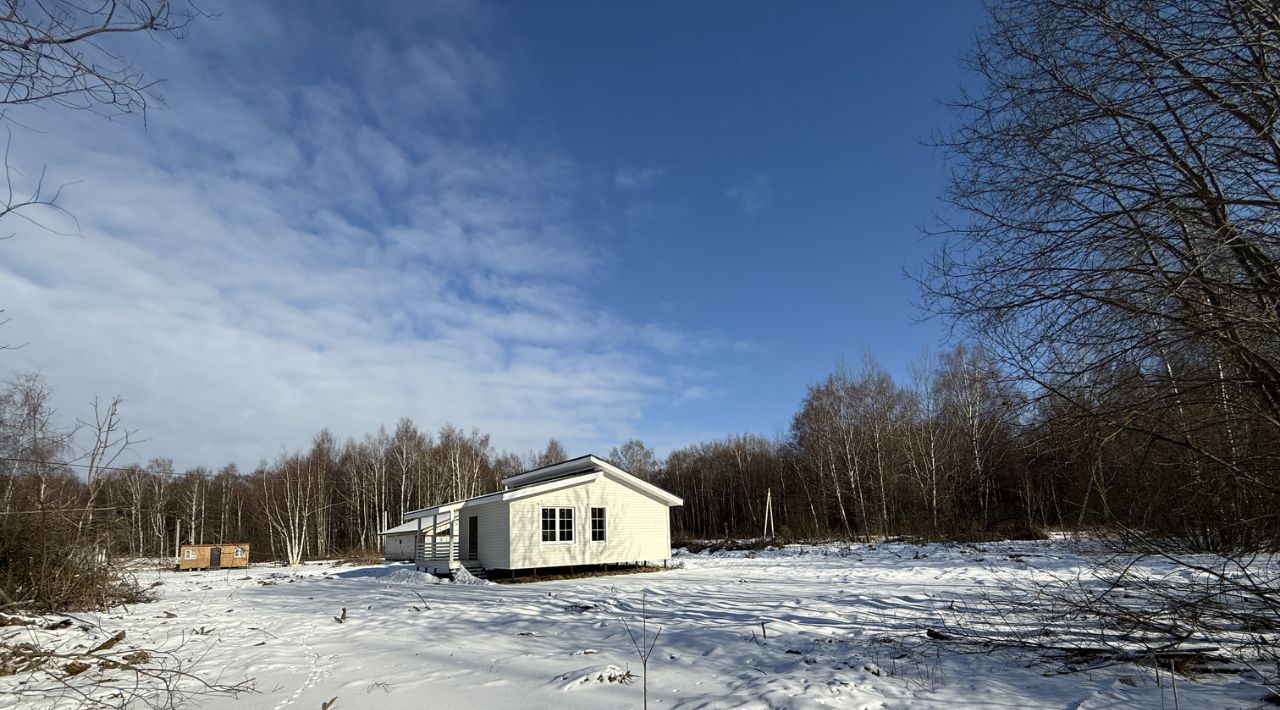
{"x":548,"y":524}
{"x":597,"y":524}
{"x":188,"y":554}
{"x":557,"y":524}
{"x":239,"y":552}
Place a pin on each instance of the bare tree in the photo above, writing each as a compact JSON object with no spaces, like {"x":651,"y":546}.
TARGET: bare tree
{"x":1118,"y":177}
{"x":230,"y":504}
{"x":366,"y":492}
{"x":635,"y":458}
{"x":59,"y":53}
{"x":323,"y":461}
{"x":929,"y":441}
{"x":552,"y":454}
{"x":128,"y":487}
{"x":194,"y":497}
{"x":110,"y":439}
{"x":160,"y":472}
{"x":823,"y":432}
{"x":56,"y":51}
{"x":289,"y":497}
{"x":407,"y":454}
{"x":463,"y":457}
{"x":1118,"y":249}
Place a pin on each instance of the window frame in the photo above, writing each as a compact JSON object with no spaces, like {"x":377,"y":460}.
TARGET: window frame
{"x":559,"y":516}
{"x":604,"y":524}
{"x":188,"y":554}
{"x":553,"y":519}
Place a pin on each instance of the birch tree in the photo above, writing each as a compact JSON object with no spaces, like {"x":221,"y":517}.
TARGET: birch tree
{"x":288,"y":491}
{"x":160,"y":473}
{"x":407,"y":453}
{"x":928,"y":439}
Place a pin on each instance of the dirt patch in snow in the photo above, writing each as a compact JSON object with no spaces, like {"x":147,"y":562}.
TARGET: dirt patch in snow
{"x":594,"y":675}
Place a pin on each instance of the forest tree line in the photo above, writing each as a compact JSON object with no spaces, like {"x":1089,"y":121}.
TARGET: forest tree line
{"x":960,"y":451}
{"x":1110,"y":260}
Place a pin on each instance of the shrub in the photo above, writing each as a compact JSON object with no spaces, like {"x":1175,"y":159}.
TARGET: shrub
{"x":55,"y":562}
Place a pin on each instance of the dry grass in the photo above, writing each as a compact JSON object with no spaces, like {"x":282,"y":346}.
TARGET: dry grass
{"x":359,"y":557}
{"x":695,"y":546}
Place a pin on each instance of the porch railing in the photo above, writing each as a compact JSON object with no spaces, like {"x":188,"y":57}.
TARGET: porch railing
{"x":436,"y":549}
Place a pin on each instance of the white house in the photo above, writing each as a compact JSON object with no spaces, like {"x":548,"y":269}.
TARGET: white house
{"x":398,"y":543}
{"x":580,"y":512}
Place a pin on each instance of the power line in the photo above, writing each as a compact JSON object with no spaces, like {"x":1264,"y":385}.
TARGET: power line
{"x":131,"y":469}
{"x":54,"y":510}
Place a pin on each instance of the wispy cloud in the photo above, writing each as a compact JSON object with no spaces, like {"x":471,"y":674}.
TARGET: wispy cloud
{"x":754,"y":195}
{"x":275,"y":255}
{"x":637,"y":179}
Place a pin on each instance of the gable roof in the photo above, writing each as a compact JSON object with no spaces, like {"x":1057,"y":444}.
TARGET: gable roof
{"x":590,"y":462}
{"x":499,"y":496}
{"x":583,"y":469}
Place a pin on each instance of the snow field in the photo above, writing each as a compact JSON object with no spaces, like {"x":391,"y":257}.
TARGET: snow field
{"x":843,"y":626}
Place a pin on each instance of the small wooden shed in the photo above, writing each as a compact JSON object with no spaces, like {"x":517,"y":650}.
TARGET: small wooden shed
{"x":215,"y":556}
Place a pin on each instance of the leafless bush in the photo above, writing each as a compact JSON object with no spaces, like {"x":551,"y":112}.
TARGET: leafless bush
{"x":55,"y":660}
{"x":1203,"y":614}
{"x":1005,"y":530}
{"x":732,"y":544}
{"x":360,"y":556}
{"x":50,"y":563}
{"x":643,"y":646}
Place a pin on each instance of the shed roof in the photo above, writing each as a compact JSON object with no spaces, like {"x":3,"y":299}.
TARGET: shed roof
{"x":555,"y":470}
{"x":412,"y":526}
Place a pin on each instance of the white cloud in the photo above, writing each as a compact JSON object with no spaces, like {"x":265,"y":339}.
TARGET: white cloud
{"x":637,"y":179}
{"x":753,"y":195}
{"x":268,"y":260}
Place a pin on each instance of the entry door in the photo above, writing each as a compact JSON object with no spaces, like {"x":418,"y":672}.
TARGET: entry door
{"x":215,"y":557}
{"x":473,"y":537}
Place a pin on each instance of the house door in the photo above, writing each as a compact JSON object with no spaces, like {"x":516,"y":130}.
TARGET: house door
{"x":473,"y":537}
{"x":215,"y":557}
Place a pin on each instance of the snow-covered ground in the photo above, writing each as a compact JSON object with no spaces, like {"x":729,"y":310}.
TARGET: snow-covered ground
{"x":843,"y":626}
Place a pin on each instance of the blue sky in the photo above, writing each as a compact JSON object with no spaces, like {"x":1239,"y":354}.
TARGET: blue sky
{"x":593,"y":221}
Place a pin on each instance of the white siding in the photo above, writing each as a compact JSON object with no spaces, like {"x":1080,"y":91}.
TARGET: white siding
{"x":398,"y":547}
{"x":638,"y":528}
{"x":494,"y":531}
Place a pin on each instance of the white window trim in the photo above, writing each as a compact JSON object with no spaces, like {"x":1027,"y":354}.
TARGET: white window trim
{"x":591,"y":524}
{"x":541,"y":520}
{"x":238,"y":553}
{"x":188,"y":554}
{"x":572,"y":530}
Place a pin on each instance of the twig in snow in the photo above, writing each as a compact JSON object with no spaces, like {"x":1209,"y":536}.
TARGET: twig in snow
{"x":644,"y":647}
